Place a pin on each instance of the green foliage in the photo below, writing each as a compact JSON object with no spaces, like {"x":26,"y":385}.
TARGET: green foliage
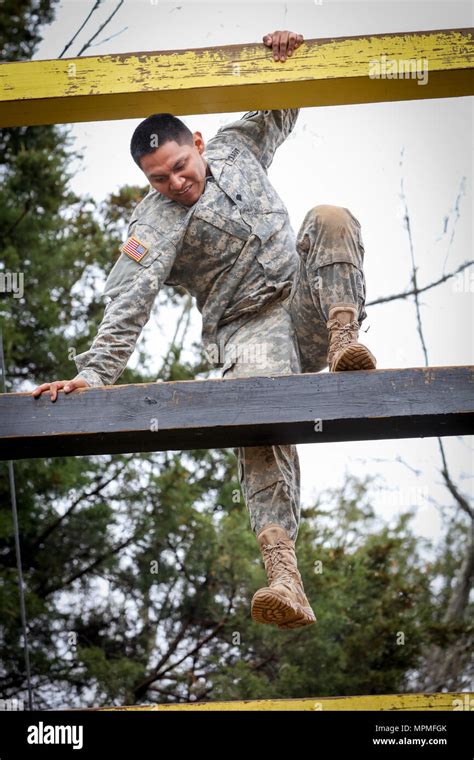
{"x":20,"y":27}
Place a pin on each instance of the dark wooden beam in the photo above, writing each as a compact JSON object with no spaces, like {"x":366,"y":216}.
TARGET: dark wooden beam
{"x":352,"y":406}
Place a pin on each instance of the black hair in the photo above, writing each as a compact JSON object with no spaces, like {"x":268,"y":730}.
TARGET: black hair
{"x":156,"y":130}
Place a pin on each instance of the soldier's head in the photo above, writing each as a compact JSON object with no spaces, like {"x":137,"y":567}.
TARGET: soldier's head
{"x":170,"y":156}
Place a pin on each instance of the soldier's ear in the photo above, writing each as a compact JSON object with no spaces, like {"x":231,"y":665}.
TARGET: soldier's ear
{"x":198,"y":141}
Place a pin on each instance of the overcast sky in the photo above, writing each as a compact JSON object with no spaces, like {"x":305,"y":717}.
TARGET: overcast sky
{"x":344,"y":155}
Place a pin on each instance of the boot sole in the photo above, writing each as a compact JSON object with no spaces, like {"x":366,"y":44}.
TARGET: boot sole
{"x":269,"y":607}
{"x":355,"y":357}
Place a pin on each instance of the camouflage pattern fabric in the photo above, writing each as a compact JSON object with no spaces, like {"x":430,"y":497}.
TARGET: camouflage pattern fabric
{"x":290,"y":336}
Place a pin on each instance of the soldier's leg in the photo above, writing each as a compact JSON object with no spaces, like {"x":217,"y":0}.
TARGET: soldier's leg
{"x":269,"y":475}
{"x":330,"y":276}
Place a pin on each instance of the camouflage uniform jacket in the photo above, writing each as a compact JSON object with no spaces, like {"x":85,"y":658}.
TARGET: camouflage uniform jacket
{"x":234,"y":249}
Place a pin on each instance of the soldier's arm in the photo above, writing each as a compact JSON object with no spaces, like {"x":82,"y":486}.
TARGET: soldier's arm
{"x":261,"y":131}
{"x":264,"y":131}
{"x":132,"y":287}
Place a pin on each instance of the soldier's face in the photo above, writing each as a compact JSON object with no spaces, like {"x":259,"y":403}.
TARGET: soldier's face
{"x":177,"y":171}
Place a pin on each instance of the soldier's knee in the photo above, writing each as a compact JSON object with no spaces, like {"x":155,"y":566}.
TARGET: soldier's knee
{"x":333,"y":219}
{"x":328,"y":214}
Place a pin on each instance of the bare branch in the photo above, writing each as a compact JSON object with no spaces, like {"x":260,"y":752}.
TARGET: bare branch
{"x":442,"y":668}
{"x":457,"y":213}
{"x":98,"y":561}
{"x":186,"y":312}
{"x":414,"y":270}
{"x":83,"y":496}
{"x":412,"y":292}
{"x":398,"y":459}
{"x":84,"y":47}
{"x":453,"y":490}
{"x":96,"y":5}
{"x":112,"y":36}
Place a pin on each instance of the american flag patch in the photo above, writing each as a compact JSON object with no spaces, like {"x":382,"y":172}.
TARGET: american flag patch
{"x":134,"y":249}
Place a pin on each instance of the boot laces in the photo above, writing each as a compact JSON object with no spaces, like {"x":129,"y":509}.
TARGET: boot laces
{"x":344,"y":335}
{"x":278,"y":567}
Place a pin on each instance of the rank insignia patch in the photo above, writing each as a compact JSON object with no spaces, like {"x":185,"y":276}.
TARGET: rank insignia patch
{"x":134,"y":249}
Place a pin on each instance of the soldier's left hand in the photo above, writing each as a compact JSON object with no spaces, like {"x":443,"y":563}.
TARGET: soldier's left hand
{"x":283,"y":43}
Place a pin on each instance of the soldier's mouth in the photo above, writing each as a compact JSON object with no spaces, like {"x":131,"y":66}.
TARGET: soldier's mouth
{"x":186,"y":189}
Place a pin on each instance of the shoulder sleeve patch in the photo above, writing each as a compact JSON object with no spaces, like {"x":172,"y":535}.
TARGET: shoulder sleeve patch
{"x":134,"y":248}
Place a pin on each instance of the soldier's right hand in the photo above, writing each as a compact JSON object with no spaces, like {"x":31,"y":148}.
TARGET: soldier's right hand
{"x":57,"y":385}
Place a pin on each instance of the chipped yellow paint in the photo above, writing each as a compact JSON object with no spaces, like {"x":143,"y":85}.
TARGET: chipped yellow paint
{"x":393,"y":702}
{"x":233,"y":78}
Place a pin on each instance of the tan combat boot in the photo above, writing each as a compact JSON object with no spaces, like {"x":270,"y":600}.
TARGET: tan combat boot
{"x":283,"y":602}
{"x":345,"y":352}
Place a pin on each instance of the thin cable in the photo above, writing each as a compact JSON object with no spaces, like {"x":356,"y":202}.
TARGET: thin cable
{"x":18,"y":551}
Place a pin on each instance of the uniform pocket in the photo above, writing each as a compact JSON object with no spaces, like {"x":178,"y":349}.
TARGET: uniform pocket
{"x":223,"y":223}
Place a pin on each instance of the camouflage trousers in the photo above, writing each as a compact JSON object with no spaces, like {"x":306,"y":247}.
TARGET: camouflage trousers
{"x":290,"y":336}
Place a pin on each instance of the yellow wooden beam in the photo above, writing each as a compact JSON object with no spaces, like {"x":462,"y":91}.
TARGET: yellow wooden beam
{"x":321,"y":72}
{"x":420,"y":702}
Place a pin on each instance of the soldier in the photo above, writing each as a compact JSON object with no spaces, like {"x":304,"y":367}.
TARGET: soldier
{"x":271,"y":303}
